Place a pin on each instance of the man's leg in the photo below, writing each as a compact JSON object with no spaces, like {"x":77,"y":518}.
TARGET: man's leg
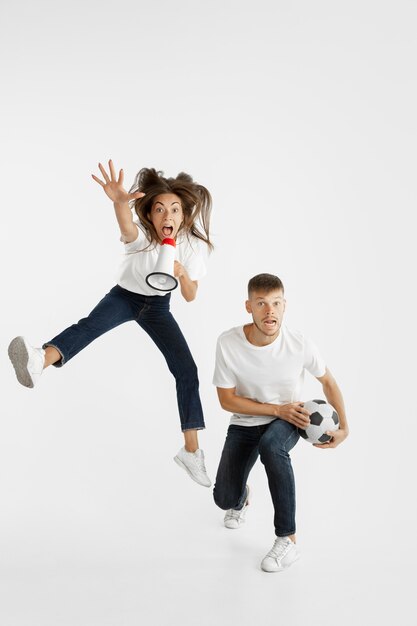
{"x":238,"y":457}
{"x":274,"y":447}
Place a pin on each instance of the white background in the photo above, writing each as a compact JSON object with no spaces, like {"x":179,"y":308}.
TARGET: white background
{"x":300,"y":119}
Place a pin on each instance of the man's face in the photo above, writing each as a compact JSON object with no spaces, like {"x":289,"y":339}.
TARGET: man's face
{"x":267,"y":311}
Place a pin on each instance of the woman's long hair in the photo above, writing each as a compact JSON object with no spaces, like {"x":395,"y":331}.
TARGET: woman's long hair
{"x":195,"y":200}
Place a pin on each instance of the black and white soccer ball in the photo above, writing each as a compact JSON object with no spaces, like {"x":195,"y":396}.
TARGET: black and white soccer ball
{"x":323,"y":417}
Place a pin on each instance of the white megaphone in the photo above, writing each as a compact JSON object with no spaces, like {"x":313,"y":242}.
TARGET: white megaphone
{"x":162,"y":278}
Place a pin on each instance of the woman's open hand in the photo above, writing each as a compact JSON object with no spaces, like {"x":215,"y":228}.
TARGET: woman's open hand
{"x":114,"y":187}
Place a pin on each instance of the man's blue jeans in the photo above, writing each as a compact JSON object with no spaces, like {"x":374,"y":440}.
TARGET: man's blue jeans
{"x":272,"y":442}
{"x":153,"y":315}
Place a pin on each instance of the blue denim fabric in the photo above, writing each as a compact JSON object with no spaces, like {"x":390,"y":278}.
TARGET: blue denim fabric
{"x":153,"y":315}
{"x":272,"y":442}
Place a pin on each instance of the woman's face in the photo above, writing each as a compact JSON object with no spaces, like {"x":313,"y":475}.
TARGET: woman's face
{"x":166,"y":215}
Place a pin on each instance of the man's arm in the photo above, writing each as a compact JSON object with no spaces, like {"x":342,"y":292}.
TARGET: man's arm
{"x":334,"y":397}
{"x":293,"y":413}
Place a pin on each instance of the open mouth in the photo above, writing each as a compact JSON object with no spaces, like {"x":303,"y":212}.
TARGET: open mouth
{"x":167,"y":231}
{"x":269,"y":323}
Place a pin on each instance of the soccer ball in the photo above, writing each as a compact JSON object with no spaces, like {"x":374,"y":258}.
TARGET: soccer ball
{"x":323,"y":417}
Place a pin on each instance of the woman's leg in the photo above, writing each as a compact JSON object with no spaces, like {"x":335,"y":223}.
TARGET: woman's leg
{"x":114,"y":309}
{"x":161,"y":326}
{"x":51,"y":356}
{"x":29,"y":361}
{"x":191,"y":439}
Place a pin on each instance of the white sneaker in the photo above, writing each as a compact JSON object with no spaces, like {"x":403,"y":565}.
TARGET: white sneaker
{"x":27,"y":361}
{"x":235,"y":518}
{"x":282,"y":554}
{"x":193,"y":463}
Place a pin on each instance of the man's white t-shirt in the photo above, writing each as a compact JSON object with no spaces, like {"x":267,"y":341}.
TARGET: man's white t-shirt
{"x":140,"y":259}
{"x":272,"y":373}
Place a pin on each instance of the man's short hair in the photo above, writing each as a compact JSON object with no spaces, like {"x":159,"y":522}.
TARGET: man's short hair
{"x":265,"y":282}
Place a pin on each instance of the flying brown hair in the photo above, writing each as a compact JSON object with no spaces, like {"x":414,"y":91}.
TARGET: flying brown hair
{"x":195,"y":200}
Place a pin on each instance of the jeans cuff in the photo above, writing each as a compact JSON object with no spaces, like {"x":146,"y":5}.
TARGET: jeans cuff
{"x":285,"y":534}
{"x":59,"y":363}
{"x":197,"y":427}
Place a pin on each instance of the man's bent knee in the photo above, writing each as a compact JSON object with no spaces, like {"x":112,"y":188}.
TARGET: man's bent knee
{"x":224,"y":500}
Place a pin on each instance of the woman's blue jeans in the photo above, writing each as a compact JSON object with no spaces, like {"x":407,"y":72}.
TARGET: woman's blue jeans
{"x":272,"y":442}
{"x":153,"y":315}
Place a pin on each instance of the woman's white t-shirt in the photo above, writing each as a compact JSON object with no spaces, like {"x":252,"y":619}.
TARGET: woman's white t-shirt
{"x":272,"y":373}
{"x":140,"y":259}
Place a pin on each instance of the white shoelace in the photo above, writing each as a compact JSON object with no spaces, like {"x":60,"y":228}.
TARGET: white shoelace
{"x":199,"y":462}
{"x":233,"y":514}
{"x":237,"y":513}
{"x":279,"y":549}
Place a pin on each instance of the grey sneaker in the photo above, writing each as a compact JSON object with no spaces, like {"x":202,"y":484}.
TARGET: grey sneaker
{"x":27,"y":361}
{"x":193,"y":464}
{"x":282,"y":554}
{"x":234,"y":517}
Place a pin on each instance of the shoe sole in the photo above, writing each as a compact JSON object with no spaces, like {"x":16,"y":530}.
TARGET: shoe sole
{"x":19,"y":357}
{"x":184,"y":467}
{"x":282,"y":569}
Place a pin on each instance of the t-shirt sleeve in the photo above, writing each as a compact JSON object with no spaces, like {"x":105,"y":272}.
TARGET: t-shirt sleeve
{"x":223,"y":376}
{"x":313,"y":361}
{"x":195,"y":259}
